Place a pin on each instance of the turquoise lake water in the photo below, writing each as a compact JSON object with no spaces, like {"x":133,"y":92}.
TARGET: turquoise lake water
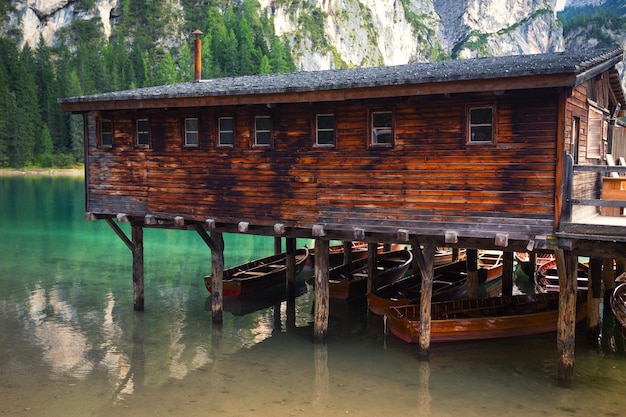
{"x":71,"y":344}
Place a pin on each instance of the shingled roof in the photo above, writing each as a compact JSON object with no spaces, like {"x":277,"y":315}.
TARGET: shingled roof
{"x":577,"y":66}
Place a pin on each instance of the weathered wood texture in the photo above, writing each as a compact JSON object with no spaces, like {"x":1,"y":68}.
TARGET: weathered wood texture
{"x":429,"y":181}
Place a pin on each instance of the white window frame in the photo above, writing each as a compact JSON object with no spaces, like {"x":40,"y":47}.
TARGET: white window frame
{"x":221,"y":131}
{"x":472,"y":126}
{"x":106,"y":133}
{"x":143,"y":133}
{"x":377,"y":132}
{"x":324,"y":130}
{"x":190,"y":133}
{"x":258,"y":131}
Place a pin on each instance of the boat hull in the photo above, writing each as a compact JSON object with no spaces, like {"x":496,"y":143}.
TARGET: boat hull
{"x":259,"y":275}
{"x":404,"y":321}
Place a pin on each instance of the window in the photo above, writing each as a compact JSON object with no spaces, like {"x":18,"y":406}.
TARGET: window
{"x":191,"y":132}
{"x":382,"y":128}
{"x":325,"y":130}
{"x":480,"y":125}
{"x":575,"y":138}
{"x":226,"y":131}
{"x":143,"y":132}
{"x":597,"y":131}
{"x":106,"y":133}
{"x":262,"y":132}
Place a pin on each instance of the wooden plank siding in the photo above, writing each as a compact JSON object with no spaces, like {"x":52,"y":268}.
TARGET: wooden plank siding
{"x":428,"y":182}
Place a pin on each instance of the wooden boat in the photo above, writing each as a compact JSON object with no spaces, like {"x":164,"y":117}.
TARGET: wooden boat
{"x":618,"y":305}
{"x":350,"y":280}
{"x":547,"y":277}
{"x":448,"y":281}
{"x":258,"y":275}
{"x":445,"y":256}
{"x":483,"y":318}
{"x":336,"y":254}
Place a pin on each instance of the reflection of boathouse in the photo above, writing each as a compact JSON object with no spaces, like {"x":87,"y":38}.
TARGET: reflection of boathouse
{"x":500,"y":153}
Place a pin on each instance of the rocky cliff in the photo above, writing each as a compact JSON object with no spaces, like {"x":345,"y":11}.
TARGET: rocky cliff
{"x":347,"y":33}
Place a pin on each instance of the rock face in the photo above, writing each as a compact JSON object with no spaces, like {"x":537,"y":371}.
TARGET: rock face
{"x":350,"y":33}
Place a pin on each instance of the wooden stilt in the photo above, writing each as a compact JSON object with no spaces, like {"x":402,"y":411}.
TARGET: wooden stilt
{"x":507,"y":273}
{"x":322,"y":300}
{"x":372,"y":261}
{"x":608,"y":278}
{"x":472,"y":273}
{"x":217,"y":277}
{"x":291,"y":268}
{"x":347,"y":253}
{"x":138,"y":267}
{"x":278,"y":245}
{"x":593,"y":301}
{"x":426,"y":262}
{"x":567,"y":267}
{"x":532,"y":264}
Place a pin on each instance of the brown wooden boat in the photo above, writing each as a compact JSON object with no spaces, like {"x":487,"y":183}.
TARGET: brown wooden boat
{"x":336,"y":254}
{"x":449,"y":283}
{"x":259,"y":275}
{"x":547,"y":277}
{"x":483,"y":318}
{"x":618,"y":305}
{"x":350,"y":280}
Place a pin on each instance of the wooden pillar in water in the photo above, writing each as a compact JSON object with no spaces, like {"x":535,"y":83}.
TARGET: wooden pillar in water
{"x":372,"y":265}
{"x":507,"y":273}
{"x":593,"y":300}
{"x":217,"y":277}
{"x":567,"y":267}
{"x":472,"y":273}
{"x":291,"y":268}
{"x":426,"y":263}
{"x":322,"y":300}
{"x":347,"y":252}
{"x":138,"y":267}
{"x":278,"y":244}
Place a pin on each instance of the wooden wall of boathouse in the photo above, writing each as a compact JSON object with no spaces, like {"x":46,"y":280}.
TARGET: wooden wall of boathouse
{"x":429,"y":181}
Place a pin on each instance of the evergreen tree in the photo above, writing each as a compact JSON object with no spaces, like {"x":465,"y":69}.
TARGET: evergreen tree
{"x":247,"y":66}
{"x":265,"y":67}
{"x":27,"y":122}
{"x":75,"y":121}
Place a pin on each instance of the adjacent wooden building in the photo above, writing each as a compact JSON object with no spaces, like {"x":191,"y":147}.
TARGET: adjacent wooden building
{"x":480,"y":153}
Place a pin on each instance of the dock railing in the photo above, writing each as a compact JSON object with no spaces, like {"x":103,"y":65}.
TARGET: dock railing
{"x":589,"y":198}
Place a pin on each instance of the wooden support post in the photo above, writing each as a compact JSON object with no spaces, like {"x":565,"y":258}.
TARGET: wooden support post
{"x":507,"y":273}
{"x":372,"y":265}
{"x":322,"y":299}
{"x":217,"y":277}
{"x":532,"y":265}
{"x":593,"y":300}
{"x":278,"y":244}
{"x":291,"y":268}
{"x":138,"y":268}
{"x":347,"y":252}
{"x":567,"y":267}
{"x":472,"y":273}
{"x":608,"y":277}
{"x":426,"y":263}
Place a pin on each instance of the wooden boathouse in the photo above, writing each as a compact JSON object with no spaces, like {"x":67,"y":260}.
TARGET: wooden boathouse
{"x":505,"y":153}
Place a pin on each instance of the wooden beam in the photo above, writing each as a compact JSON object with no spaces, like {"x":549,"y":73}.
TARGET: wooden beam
{"x":507,"y":273}
{"x":372,"y":265}
{"x":426,"y":262}
{"x":217,"y":277}
{"x":347,"y":252}
{"x":138,"y":267}
{"x":205,"y":236}
{"x":567,"y":268}
{"x":322,"y":299}
{"x":291,"y":268}
{"x":120,"y":233}
{"x":472,"y":273}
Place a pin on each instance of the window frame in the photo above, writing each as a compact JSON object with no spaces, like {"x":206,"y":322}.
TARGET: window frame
{"x":219,"y":131}
{"x":255,"y":131}
{"x":101,"y":133}
{"x":469,"y":125}
{"x":372,"y":143}
{"x":317,"y":130}
{"x":187,"y":131}
{"x":142,"y":132}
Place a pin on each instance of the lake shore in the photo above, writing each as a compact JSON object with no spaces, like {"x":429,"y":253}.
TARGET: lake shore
{"x":70,"y":172}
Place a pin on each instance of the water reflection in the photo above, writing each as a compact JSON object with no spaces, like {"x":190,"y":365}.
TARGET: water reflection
{"x":69,"y":335}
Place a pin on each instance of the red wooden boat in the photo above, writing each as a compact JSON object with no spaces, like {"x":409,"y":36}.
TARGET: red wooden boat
{"x":483,"y":318}
{"x":259,"y":275}
{"x":547,"y":277}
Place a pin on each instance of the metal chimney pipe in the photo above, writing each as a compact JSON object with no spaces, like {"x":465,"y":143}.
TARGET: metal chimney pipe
{"x":197,"y":43}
